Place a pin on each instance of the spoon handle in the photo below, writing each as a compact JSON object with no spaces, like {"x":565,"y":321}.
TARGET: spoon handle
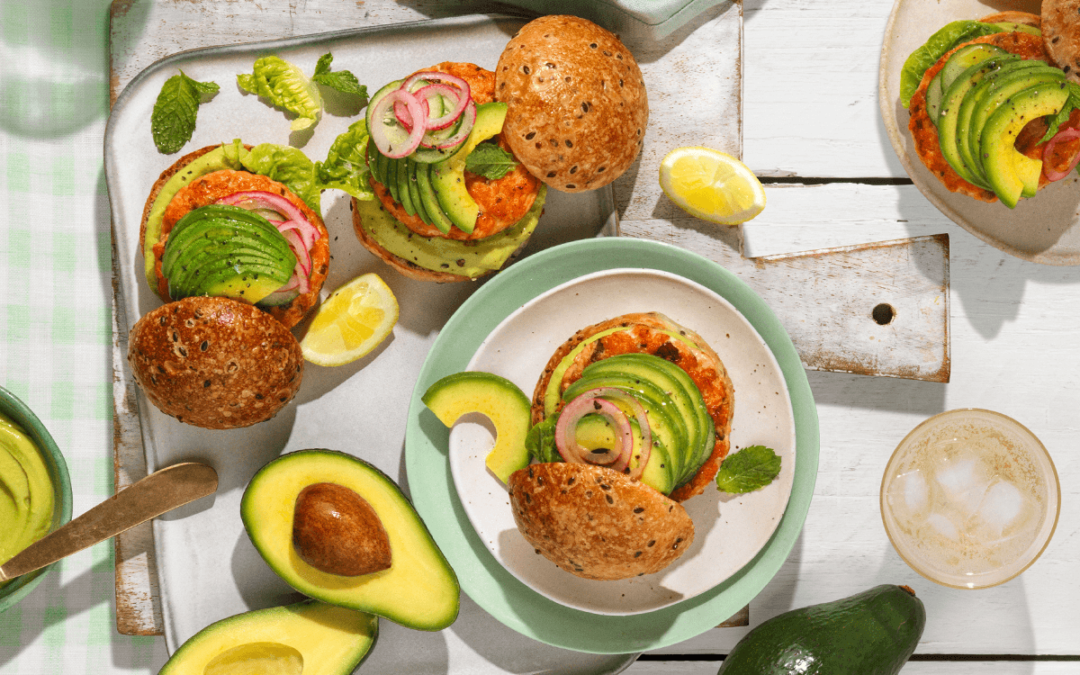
{"x":150,"y":497}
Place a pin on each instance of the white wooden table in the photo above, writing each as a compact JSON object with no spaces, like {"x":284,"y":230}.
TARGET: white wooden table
{"x":812,"y":130}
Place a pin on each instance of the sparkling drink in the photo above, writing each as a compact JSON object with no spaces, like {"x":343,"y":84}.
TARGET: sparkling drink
{"x":970,"y":498}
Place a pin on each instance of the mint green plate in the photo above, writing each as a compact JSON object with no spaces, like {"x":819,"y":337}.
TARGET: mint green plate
{"x":432,"y":489}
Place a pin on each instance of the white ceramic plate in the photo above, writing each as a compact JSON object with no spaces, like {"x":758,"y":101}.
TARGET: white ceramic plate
{"x":1045,"y":229}
{"x":730,"y":530}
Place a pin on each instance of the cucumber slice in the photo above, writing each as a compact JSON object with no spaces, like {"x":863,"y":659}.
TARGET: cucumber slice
{"x":414,"y":191}
{"x":402,"y":181}
{"x":429,"y":199}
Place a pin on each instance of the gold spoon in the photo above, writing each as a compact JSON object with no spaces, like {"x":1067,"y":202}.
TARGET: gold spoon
{"x":158,"y":493}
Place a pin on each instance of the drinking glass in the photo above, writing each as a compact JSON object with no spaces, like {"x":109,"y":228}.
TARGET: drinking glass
{"x":970,"y":498}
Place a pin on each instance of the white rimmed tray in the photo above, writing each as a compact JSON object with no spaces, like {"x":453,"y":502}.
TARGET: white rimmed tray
{"x":207,"y":568}
{"x":1045,"y":229}
{"x":730,"y":529}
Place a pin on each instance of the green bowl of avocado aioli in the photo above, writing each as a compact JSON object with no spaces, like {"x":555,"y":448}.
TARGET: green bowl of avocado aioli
{"x":35,"y":490}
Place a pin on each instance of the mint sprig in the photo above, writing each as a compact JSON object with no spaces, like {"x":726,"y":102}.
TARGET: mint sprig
{"x":490,"y":161}
{"x":172,"y":121}
{"x":342,"y":80}
{"x":749,"y":469}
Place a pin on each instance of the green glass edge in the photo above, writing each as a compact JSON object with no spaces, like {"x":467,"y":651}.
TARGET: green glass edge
{"x":21,"y":414}
{"x":431,"y":485}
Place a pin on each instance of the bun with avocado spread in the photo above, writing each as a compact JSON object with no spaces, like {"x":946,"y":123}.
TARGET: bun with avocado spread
{"x":450,"y":213}
{"x":631,"y":417}
{"x":219,"y":223}
{"x":991,"y":114}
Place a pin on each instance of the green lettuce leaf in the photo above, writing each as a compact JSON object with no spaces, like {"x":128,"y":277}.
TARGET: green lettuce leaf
{"x":172,"y":121}
{"x":346,"y":166}
{"x":285,"y":165}
{"x":920,"y":60}
{"x":342,"y":80}
{"x":490,"y":161}
{"x":747,"y":470}
{"x":285,"y":86}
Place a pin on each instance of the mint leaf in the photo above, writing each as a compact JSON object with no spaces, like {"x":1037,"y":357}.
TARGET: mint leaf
{"x":172,"y":121}
{"x":490,"y":161}
{"x":747,"y":470}
{"x":342,"y":80}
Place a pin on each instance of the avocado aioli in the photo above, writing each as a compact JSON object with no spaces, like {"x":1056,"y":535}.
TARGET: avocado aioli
{"x":465,"y":258}
{"x":26,"y":491}
{"x":215,"y":160}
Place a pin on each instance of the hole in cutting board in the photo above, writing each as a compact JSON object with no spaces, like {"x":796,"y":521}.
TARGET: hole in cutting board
{"x":883,"y":314}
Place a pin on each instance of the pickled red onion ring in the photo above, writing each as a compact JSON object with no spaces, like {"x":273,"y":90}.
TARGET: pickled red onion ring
{"x":1060,"y":137}
{"x":588,"y":402}
{"x":460,"y":99}
{"x":565,"y":430}
{"x":397,"y":145}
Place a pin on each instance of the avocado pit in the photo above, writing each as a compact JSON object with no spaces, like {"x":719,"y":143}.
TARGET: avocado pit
{"x":336,"y":531}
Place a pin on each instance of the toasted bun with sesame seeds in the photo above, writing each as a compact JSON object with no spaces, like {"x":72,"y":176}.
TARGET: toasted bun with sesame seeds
{"x":214,"y":362}
{"x":576,"y":102}
{"x":1061,"y":32}
{"x":597,"y":523}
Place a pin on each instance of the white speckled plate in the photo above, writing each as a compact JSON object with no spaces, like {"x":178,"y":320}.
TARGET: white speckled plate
{"x":1045,"y":229}
{"x":729,"y":530}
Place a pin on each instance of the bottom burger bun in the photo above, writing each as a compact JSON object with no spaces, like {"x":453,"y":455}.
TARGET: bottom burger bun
{"x":214,"y":362}
{"x":596,"y":523}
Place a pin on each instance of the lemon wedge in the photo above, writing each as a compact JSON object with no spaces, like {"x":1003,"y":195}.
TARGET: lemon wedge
{"x":351,"y":322}
{"x":711,"y":185}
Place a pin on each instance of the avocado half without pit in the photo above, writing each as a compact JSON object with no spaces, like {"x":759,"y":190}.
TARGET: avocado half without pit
{"x":339,"y":530}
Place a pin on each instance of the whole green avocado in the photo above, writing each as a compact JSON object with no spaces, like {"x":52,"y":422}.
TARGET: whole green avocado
{"x":869,"y":633}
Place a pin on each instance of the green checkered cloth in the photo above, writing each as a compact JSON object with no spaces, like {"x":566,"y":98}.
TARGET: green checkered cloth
{"x":55,"y":316}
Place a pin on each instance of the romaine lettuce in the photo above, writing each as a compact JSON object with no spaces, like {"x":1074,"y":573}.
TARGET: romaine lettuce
{"x":920,"y":60}
{"x":346,"y":166}
{"x":285,"y":86}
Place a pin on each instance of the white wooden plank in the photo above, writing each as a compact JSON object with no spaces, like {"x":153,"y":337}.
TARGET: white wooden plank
{"x":810,"y":93}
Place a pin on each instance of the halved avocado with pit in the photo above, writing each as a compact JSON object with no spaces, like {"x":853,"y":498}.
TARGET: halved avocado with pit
{"x":419,"y":588}
{"x":310,"y":638}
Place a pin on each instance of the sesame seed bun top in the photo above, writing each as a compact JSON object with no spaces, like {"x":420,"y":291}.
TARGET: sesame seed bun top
{"x":576,"y":102}
{"x":1061,"y":32}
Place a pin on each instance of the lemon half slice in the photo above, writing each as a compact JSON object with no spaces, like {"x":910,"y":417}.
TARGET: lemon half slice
{"x":711,"y":185}
{"x":351,"y":322}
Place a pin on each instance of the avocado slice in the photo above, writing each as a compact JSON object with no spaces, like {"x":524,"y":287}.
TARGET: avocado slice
{"x":306,"y":637}
{"x":500,"y":400}
{"x":949,"y":118}
{"x":401,"y":170}
{"x":1010,"y":173}
{"x":1013,"y":27}
{"x":988,"y":95}
{"x":870,"y":633}
{"x":448,"y":176}
{"x":419,"y":590}
{"x":228,"y":251}
{"x":664,"y":419}
{"x":701,"y":432}
{"x":966,"y":57}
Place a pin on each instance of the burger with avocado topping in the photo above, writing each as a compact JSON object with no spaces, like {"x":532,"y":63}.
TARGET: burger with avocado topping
{"x":632,"y":416}
{"x":460,"y":192}
{"x":230,"y":221}
{"x":992,"y":112}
